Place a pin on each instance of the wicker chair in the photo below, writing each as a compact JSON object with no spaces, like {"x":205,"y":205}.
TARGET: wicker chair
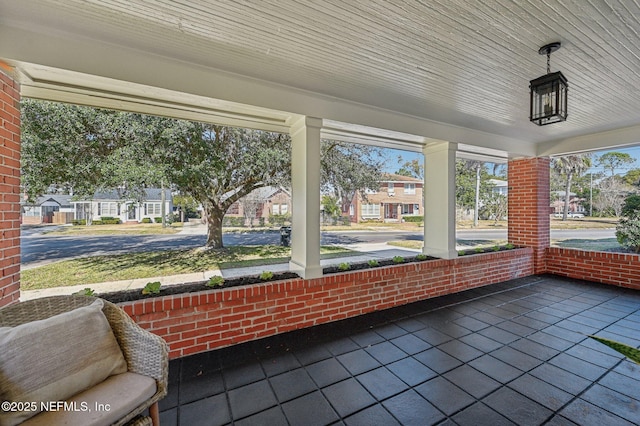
{"x":145,"y":353}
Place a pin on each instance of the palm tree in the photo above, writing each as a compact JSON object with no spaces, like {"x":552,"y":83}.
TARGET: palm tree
{"x":570,"y":166}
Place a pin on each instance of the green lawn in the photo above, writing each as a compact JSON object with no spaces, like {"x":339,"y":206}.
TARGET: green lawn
{"x":96,"y":269}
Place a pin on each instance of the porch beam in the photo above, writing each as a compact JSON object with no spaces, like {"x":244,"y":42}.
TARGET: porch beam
{"x":440,"y":200}
{"x":305,"y":194}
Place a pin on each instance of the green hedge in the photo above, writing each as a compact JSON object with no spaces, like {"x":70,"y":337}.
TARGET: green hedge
{"x":108,"y":220}
{"x":146,"y":220}
{"x":413,"y":218}
{"x":157,"y":219}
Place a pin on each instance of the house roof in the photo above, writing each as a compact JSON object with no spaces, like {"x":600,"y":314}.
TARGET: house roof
{"x":61,"y":200}
{"x":392,"y":177}
{"x":151,"y":194}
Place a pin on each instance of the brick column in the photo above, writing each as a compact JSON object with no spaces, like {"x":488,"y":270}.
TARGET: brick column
{"x":9,"y":187}
{"x":529,"y":207}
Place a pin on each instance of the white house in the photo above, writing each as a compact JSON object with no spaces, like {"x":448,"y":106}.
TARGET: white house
{"x":48,"y":208}
{"x":109,"y":204}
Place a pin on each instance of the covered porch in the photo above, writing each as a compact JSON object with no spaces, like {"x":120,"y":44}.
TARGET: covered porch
{"x":512,"y":353}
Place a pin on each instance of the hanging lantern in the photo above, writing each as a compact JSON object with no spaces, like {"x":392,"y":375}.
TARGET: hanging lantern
{"x":548,"y":93}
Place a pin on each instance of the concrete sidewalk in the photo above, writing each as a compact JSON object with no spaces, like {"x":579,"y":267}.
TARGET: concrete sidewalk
{"x":368,"y":252}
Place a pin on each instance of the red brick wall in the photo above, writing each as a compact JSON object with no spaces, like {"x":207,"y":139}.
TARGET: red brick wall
{"x":529,"y":206}
{"x":610,"y":268}
{"x":198,"y":322}
{"x":9,"y":188}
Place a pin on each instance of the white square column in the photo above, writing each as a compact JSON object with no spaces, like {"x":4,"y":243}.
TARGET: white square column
{"x":440,"y":200}
{"x":305,"y":189}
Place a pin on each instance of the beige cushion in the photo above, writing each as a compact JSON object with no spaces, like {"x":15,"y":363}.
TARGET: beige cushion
{"x":55,"y":358}
{"x":121,"y":393}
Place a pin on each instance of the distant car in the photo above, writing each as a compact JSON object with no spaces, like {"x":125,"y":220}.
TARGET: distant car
{"x":570,"y":215}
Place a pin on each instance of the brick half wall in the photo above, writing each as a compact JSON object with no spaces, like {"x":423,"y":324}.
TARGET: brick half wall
{"x":9,"y":188}
{"x":198,"y":322}
{"x":621,"y":269}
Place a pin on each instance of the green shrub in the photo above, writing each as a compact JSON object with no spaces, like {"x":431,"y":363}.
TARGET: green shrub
{"x":398,"y":259}
{"x":79,"y":221}
{"x":97,"y":222}
{"x":344,"y":266}
{"x":510,"y":246}
{"x":157,"y":219}
{"x":631,"y":207}
{"x":373,"y":263}
{"x":146,"y":220}
{"x":478,"y":249}
{"x":415,"y":219}
{"x":628,"y":233}
{"x":495,"y":248}
{"x":152,"y":288}
{"x":108,"y":220}
{"x":421,"y":256}
{"x":215,"y":281}
{"x":279,"y":219}
{"x":266,"y":275}
{"x":231,"y":221}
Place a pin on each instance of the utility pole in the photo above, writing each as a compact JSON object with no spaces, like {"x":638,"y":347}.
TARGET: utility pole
{"x":477,"y":206}
{"x":591,"y":194}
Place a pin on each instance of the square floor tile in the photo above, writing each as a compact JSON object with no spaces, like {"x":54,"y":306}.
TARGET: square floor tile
{"x":372,"y":416}
{"x":496,"y":369}
{"x":445,"y":395}
{"x":381,"y":383}
{"x":271,"y":417}
{"x":535,"y":349}
{"x":386,"y":352}
{"x":480,"y":342}
{"x":310,"y":410}
{"x":327,"y":372}
{"x":432,"y":336}
{"x":615,"y":402}
{"x":250,"y":399}
{"x":292,"y":384}
{"x":499,"y":335}
{"x":200,"y":387}
{"x":577,"y":366}
{"x":358,"y":362}
{"x":560,"y":378}
{"x":480,"y":415}
{"x":550,"y":341}
{"x":411,"y":409}
{"x":169,"y":417}
{"x":437,"y":360}
{"x":460,"y":350}
{"x":312,"y":354}
{"x":472,"y":381}
{"x":348,"y":397}
{"x":212,"y":411}
{"x":471,"y":323}
{"x":517,"y":408}
{"x":243,"y":374}
{"x":390,"y":331}
{"x":367,"y":338}
{"x":583,"y":413}
{"x":279,"y":364}
{"x":541,"y":392}
{"x":410,"y":344}
{"x":411,"y":371}
{"x":623,"y":384}
{"x":341,"y":346}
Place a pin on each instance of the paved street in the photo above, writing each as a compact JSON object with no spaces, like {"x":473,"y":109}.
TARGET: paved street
{"x":39,"y":249}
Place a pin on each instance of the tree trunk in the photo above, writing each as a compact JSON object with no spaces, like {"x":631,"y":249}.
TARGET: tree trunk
{"x":214,"y":227}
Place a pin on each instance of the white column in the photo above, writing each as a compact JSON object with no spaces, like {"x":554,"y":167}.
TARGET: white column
{"x":440,"y":200}
{"x":305,"y":188}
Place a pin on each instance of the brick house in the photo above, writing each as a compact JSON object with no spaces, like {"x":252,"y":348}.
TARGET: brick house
{"x":398,"y":197}
{"x":265,"y":202}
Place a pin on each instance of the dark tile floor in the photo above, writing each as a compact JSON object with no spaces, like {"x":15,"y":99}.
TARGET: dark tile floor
{"x":510,"y":353}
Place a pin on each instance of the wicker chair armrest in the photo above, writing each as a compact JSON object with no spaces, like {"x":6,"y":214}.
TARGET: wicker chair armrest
{"x":145,"y":352}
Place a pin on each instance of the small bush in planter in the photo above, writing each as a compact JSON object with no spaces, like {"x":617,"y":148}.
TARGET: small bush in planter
{"x":266,"y":275}
{"x":495,"y":248}
{"x":215,"y":281}
{"x":398,"y":259}
{"x":510,"y":246}
{"x":344,"y":266}
{"x":373,"y":263}
{"x":85,"y":292}
{"x":421,"y":256}
{"x":152,"y":288}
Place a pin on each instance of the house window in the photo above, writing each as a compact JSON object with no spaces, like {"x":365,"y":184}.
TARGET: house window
{"x":390,"y":188}
{"x":351,"y":210}
{"x":153,"y":209}
{"x":409,"y":188}
{"x":280,"y":208}
{"x":371,"y":210}
{"x":108,"y":209}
